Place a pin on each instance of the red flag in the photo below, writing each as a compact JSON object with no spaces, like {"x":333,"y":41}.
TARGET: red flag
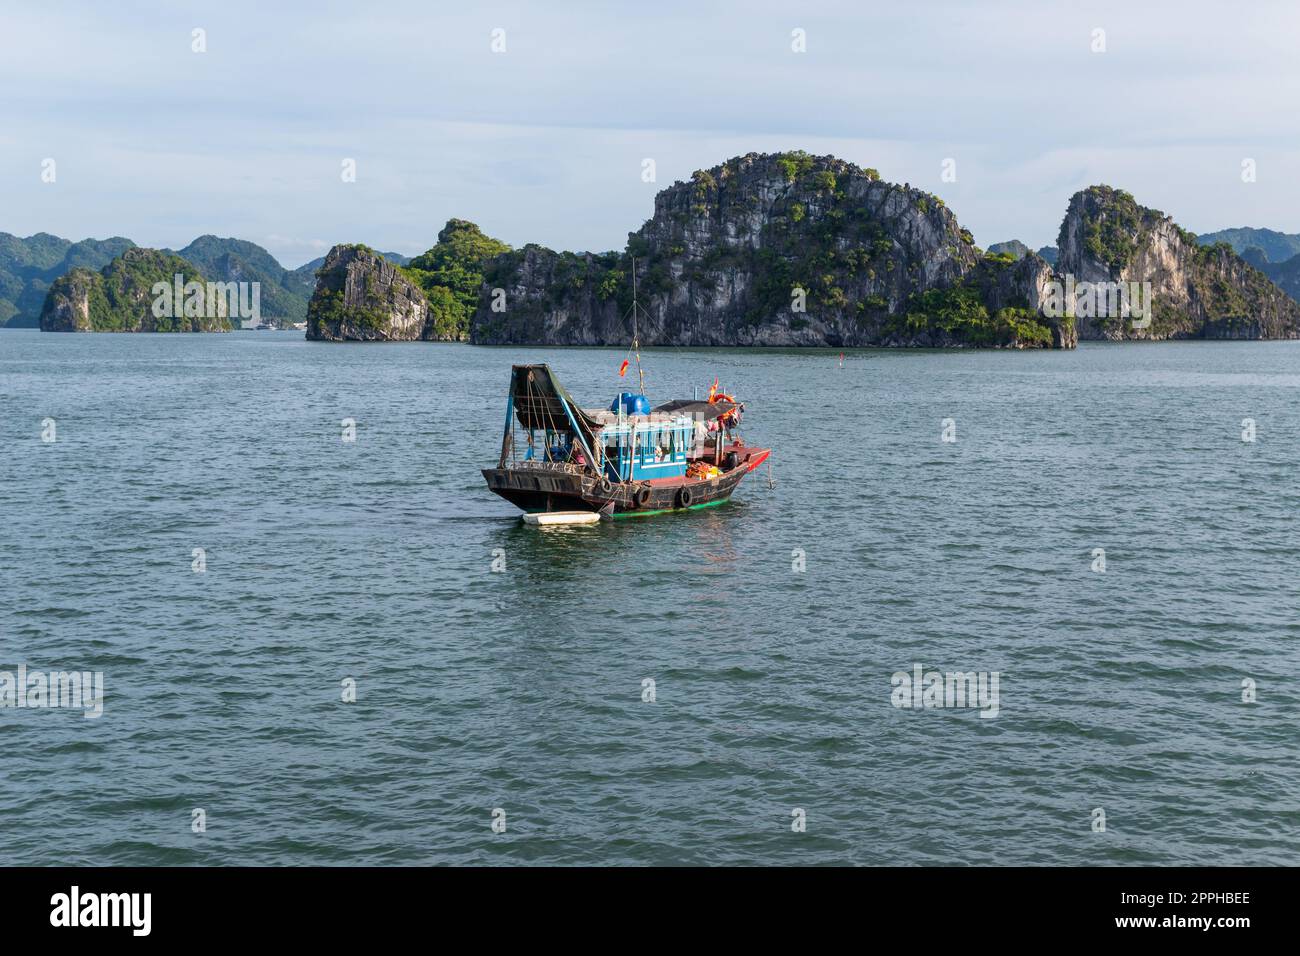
{"x":622,"y":369}
{"x":713,"y":389}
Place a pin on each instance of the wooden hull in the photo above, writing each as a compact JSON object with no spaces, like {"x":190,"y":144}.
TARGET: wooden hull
{"x":536,"y":490}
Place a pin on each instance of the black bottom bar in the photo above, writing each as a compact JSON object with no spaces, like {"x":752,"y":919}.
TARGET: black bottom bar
{"x":957,"y":906}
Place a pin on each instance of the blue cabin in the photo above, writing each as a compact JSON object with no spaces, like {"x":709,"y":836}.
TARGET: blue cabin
{"x":639,"y":449}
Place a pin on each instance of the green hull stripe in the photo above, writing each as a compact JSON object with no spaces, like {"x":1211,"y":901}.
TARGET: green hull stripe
{"x":657,"y":511}
{"x":664,"y":511}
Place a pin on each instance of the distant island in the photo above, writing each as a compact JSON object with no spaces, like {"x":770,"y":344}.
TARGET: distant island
{"x":776,"y":249}
{"x":1018,"y":250}
{"x":1276,"y":254}
{"x":28,"y":268}
{"x":119,"y":298}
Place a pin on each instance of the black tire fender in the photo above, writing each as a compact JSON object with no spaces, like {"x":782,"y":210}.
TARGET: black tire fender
{"x":684,"y":498}
{"x":642,"y":496}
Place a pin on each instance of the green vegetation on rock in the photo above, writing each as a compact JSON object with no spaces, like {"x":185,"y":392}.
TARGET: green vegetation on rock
{"x":1113,"y":233}
{"x":451,"y":274}
{"x":795,"y":164}
{"x":959,"y":313}
{"x":328,"y":310}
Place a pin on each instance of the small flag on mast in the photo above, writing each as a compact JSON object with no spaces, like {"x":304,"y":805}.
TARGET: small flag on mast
{"x":622,"y":370}
{"x":713,"y":389}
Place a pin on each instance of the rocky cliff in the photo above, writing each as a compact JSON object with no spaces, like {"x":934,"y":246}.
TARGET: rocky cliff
{"x":303,"y":278}
{"x":1014,"y":247}
{"x":1197,"y":291}
{"x":767,"y":249}
{"x":122,"y":298}
{"x":1019,"y":290}
{"x":361,"y":296}
{"x":1283,"y":273}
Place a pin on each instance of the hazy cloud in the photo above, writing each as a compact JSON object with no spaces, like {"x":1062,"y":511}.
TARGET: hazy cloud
{"x":544,"y":142}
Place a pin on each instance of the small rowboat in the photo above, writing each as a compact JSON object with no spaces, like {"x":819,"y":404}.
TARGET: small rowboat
{"x":544,"y":518}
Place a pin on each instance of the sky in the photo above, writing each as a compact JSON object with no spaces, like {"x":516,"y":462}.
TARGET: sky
{"x":544,"y":141}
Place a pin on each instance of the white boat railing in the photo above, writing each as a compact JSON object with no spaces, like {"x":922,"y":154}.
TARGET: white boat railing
{"x":563,"y":467}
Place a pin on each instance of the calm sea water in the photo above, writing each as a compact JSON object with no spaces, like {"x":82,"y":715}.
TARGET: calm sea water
{"x":522,"y":690}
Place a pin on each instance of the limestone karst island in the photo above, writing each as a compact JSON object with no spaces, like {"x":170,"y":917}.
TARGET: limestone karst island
{"x":776,"y":249}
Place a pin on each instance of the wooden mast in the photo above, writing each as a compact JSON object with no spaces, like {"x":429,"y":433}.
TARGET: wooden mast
{"x":640,"y":374}
{"x":636,"y":343}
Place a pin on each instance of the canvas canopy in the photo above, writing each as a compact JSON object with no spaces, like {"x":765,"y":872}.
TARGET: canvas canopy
{"x":700,"y":411}
{"x":540,"y":403}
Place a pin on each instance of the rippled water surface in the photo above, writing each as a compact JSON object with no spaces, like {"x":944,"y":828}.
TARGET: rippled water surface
{"x":522,"y":690}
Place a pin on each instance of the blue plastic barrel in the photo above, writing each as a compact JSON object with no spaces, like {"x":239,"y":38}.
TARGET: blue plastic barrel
{"x":631,"y":403}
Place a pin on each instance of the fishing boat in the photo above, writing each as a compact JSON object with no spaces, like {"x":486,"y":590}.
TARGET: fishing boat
{"x":630,"y":459}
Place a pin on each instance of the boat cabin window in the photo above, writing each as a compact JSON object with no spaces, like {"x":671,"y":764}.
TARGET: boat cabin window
{"x":664,"y":445}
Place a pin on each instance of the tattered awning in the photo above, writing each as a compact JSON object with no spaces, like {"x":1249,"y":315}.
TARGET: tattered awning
{"x":542,"y":402}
